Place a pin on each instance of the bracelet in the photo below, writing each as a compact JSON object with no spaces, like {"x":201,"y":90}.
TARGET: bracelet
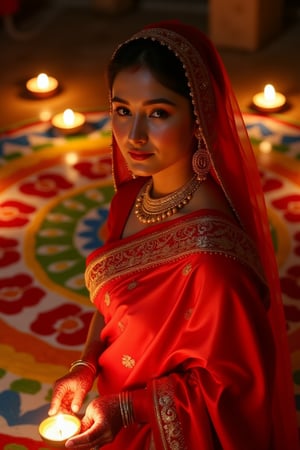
{"x":126,"y":408}
{"x":82,"y":362}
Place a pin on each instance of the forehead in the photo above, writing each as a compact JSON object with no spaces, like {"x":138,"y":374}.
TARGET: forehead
{"x":136,"y":73}
{"x":139,"y":81}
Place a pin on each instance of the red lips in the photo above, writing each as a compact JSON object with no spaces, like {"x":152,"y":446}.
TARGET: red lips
{"x":140,"y":156}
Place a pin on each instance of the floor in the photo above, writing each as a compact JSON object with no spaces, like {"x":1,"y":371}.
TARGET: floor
{"x":74,"y":44}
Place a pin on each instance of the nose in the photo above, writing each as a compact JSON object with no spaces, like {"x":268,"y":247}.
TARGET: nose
{"x":138,"y":131}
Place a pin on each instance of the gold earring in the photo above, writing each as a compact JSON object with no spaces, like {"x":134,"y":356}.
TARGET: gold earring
{"x":201,"y":161}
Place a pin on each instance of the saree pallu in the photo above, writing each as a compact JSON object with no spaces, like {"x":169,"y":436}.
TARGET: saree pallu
{"x":185,"y":318}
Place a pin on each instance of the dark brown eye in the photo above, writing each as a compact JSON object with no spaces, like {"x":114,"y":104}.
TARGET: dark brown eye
{"x":122,"y":111}
{"x":160,"y":114}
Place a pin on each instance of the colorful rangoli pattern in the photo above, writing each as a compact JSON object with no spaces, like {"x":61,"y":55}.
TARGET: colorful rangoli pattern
{"x":55,"y":193}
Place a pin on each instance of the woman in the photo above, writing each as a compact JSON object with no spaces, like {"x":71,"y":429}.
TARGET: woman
{"x":188,"y":340}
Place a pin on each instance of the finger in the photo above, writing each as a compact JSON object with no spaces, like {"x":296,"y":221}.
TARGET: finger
{"x":77,"y":400}
{"x":93,"y":437}
{"x":89,"y":445}
{"x":54,"y":408}
{"x":55,"y":405}
{"x":56,"y":401}
{"x":82,"y":441}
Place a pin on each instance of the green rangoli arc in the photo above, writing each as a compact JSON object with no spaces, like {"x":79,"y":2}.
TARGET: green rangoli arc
{"x":63,"y":233}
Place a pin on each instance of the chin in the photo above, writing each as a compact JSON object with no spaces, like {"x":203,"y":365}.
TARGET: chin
{"x":141,"y":173}
{"x":135,"y":175}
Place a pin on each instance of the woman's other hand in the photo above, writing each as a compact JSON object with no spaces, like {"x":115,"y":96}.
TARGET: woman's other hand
{"x":70,"y":391}
{"x":100,"y":424}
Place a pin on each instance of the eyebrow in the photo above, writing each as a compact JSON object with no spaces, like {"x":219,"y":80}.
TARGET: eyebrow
{"x":153,"y":101}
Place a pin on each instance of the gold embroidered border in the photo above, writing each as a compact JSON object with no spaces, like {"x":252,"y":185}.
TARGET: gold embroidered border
{"x":171,"y":432}
{"x":194,"y":235}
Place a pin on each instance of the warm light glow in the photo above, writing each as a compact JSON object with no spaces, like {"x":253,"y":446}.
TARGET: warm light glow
{"x":59,"y":428}
{"x":269,"y":100}
{"x":265,"y":147}
{"x":68,"y":121}
{"x":269,"y":93}
{"x":42,"y":86}
{"x":42,"y":81}
{"x":71,"y":158}
{"x":45,"y":115}
{"x":69,"y":117}
{"x":60,"y":425}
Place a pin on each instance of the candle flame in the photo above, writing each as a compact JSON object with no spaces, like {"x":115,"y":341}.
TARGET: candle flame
{"x":60,"y":421}
{"x":71,"y":158}
{"x":265,"y":146}
{"x":68,"y":117}
{"x":42,"y":81}
{"x":59,"y":428}
{"x":60,"y":425}
{"x":269,"y":93}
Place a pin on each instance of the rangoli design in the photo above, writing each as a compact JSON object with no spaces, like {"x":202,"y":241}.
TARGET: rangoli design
{"x":55,"y":193}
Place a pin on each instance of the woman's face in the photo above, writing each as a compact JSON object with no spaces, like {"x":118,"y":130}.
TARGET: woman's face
{"x":153,"y":125}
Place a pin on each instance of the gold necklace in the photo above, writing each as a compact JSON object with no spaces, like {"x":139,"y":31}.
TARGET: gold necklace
{"x":151,"y":210}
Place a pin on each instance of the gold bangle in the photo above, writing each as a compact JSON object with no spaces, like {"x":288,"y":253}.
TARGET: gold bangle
{"x":126,"y":408}
{"x":82,"y":362}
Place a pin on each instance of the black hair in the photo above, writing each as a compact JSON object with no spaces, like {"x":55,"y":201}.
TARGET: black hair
{"x":163,"y":64}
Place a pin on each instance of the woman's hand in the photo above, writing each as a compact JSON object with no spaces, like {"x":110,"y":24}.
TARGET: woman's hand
{"x":100,"y":424}
{"x":70,"y":391}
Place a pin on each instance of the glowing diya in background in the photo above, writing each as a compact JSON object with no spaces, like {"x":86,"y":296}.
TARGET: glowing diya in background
{"x":69,"y":121}
{"x":269,"y":100}
{"x":42,"y":86}
{"x":56,"y":430}
{"x":265,"y":147}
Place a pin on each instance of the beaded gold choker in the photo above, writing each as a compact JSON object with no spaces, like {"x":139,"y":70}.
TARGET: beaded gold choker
{"x":151,"y":210}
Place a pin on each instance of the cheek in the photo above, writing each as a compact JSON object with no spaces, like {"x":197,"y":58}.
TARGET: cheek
{"x":120,"y":132}
{"x":179,"y":134}
{"x":116,"y":128}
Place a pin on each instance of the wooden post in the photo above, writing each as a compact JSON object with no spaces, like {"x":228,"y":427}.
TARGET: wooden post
{"x":244,"y":24}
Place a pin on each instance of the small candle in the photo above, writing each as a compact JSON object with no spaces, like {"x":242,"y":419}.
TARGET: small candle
{"x":269,"y":100}
{"x":42,"y":86}
{"x":68,"y":121}
{"x":56,"y":430}
{"x":265,"y":147}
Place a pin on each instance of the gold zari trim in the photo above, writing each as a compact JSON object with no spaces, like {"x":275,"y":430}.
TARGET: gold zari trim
{"x":170,"y":427}
{"x":209,"y":234}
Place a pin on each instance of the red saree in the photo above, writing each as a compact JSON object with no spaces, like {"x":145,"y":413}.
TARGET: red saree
{"x":164,"y":341}
{"x":193,"y":307}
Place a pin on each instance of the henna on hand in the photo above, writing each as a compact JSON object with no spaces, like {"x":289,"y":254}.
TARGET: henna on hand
{"x":70,"y":391}
{"x":100,"y":424}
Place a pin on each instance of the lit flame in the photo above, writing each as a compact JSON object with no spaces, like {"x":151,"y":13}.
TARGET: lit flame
{"x":71,"y":158}
{"x":42,"y":81}
{"x":60,"y":424}
{"x":265,"y":146}
{"x":68,"y":117}
{"x":269,"y":93}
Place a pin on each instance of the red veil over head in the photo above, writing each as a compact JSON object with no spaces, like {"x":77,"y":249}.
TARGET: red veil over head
{"x":234,"y":168}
